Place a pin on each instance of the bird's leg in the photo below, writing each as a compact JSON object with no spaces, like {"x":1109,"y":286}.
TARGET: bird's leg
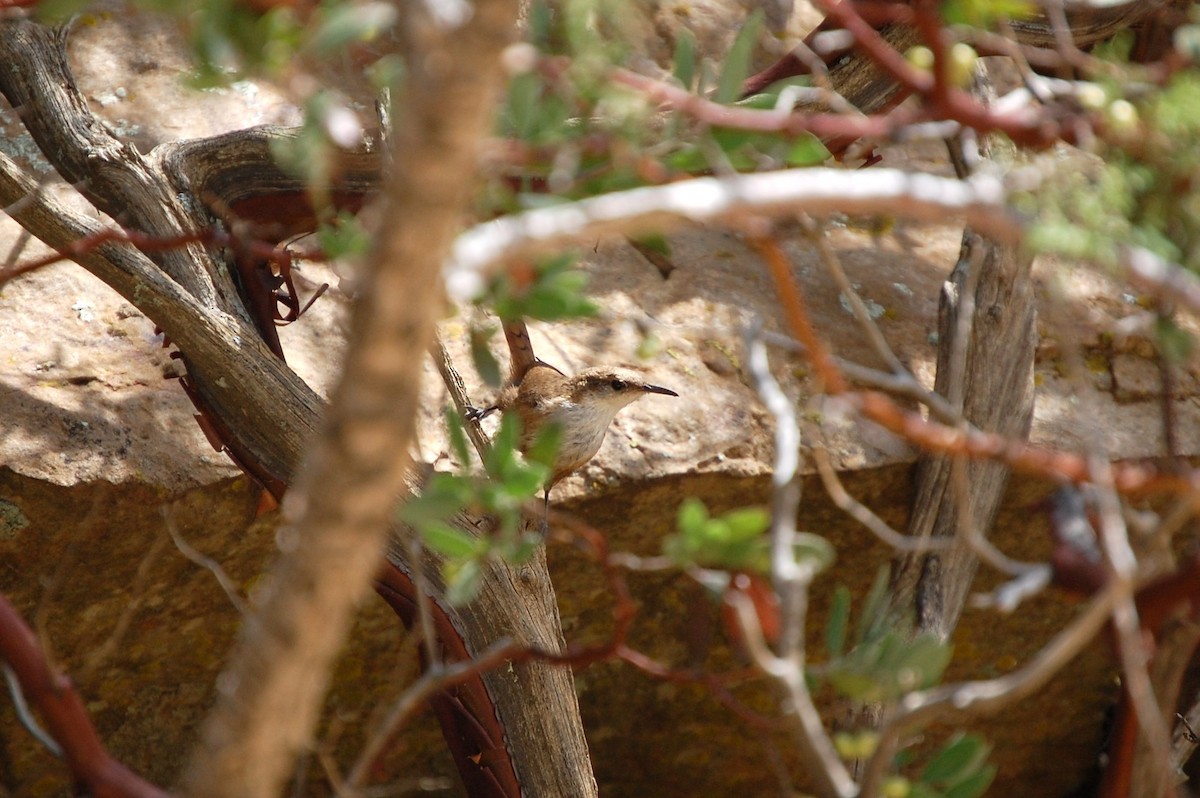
{"x":546,"y":512}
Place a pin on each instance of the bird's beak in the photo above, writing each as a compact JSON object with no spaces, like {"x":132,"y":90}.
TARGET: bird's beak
{"x":659,"y":389}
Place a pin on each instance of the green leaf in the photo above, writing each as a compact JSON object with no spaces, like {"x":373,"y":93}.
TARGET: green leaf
{"x":814,"y":549}
{"x":763,"y":101}
{"x":733,"y":541}
{"x":504,"y":445}
{"x":343,"y":236}
{"x":1175,"y":343}
{"x":839,"y":622}
{"x":445,"y":495}
{"x":690,"y":159}
{"x":747,"y":523}
{"x":960,"y":758}
{"x":737,"y":61}
{"x":450,"y":542}
{"x":308,"y":154}
{"x":1118,"y":47}
{"x":353,"y":22}
{"x":923,"y":662}
{"x":481,"y":355}
{"x":920,"y":790}
{"x":984,"y":13}
{"x":858,"y":686}
{"x":524,"y":549}
{"x":456,"y":432}
{"x":692,"y":517}
{"x":554,"y":292}
{"x":387,"y":72}
{"x":56,"y":12}
{"x":973,"y":786}
{"x":521,"y":483}
{"x":544,"y":449}
{"x":716,"y":531}
{"x":732,"y":140}
{"x":649,"y":346}
{"x":539,"y":23}
{"x":654,"y":243}
{"x":872,"y":613}
{"x":463,"y":580}
{"x":685,"y":58}
{"x":806,"y":150}
{"x":903,"y":758}
{"x":520,"y":112}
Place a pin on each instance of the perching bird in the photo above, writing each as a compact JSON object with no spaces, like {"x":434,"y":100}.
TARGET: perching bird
{"x":582,"y":407}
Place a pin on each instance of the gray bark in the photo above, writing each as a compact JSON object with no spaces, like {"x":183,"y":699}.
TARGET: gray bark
{"x":997,"y":394}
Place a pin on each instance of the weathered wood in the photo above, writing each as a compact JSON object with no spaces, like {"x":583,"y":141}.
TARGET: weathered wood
{"x":36,"y":79}
{"x":534,"y":700}
{"x":237,"y":169}
{"x":997,"y":393}
{"x":270,"y":410}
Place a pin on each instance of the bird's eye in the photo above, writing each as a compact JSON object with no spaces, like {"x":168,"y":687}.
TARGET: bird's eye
{"x":618,"y":385}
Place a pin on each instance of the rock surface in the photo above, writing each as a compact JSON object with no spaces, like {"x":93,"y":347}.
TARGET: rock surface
{"x":100,"y":460}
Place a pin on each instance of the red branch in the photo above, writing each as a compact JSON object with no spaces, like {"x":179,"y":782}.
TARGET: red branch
{"x":797,"y":314}
{"x":1130,"y":479}
{"x":65,"y":716}
{"x":463,"y":703}
{"x":1026,"y":126}
{"x":822,"y":125}
{"x":875,"y":46}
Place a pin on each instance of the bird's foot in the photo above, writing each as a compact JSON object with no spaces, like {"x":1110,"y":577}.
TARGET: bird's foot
{"x":477,"y":414}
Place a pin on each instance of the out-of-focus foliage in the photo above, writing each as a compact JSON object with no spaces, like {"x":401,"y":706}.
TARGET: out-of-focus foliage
{"x":1143,"y":189}
{"x":498,"y":494}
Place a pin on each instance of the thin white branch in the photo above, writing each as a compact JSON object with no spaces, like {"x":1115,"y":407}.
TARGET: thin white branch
{"x":902,"y":384}
{"x":25,"y":715}
{"x":830,"y":775}
{"x":817,"y":234}
{"x":1130,"y":645}
{"x":819,"y":191}
{"x":791,"y":578}
{"x":1008,"y":596}
{"x":863,"y":514}
{"x":232,"y":592}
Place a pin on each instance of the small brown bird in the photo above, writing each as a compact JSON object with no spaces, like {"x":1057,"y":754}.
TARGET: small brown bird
{"x":582,"y":407}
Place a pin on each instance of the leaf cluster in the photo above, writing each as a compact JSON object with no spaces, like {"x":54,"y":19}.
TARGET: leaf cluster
{"x":499,"y":494}
{"x":959,"y":770}
{"x":878,"y":662}
{"x":1141,"y":196}
{"x":1145,"y":193}
{"x":549,"y":290}
{"x":582,"y":134}
{"x":882,"y":660}
{"x":735,"y":541}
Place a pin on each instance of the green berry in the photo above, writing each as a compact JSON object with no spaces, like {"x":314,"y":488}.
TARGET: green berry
{"x":961,"y":68}
{"x":1122,"y":117}
{"x":921,"y":57}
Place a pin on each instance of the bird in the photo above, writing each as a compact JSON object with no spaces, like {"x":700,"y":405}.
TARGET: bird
{"x":581,"y":407}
